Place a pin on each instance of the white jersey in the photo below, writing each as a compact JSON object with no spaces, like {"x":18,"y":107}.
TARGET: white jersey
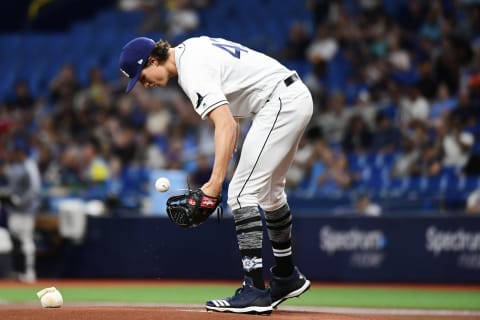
{"x":214,"y":71}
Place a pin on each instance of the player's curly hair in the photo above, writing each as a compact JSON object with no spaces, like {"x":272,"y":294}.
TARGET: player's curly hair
{"x":160,"y":51}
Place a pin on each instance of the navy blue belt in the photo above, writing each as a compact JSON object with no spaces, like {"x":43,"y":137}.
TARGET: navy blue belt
{"x":294,"y":77}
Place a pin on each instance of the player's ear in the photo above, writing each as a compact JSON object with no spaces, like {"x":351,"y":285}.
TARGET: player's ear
{"x":152,"y":61}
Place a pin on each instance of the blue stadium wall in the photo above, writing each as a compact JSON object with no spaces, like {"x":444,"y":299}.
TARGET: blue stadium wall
{"x":384,"y":249}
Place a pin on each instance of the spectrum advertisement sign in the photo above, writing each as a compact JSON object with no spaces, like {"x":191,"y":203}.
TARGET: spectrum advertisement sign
{"x":357,"y":249}
{"x":365,"y":247}
{"x":462,"y":244}
{"x":389,"y":249}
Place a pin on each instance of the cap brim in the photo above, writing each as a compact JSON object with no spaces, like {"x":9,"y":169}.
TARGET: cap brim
{"x":132,"y":82}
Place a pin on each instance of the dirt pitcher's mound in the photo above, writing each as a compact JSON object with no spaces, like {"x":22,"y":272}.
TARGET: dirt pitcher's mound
{"x":24,"y":312}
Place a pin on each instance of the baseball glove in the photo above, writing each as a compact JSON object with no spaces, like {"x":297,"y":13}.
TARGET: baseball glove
{"x":193,"y":208}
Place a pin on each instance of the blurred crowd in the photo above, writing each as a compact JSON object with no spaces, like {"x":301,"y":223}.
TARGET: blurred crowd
{"x":399,"y":77}
{"x":387,"y":77}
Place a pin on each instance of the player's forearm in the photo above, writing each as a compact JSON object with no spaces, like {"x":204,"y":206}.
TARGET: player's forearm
{"x":225,"y":139}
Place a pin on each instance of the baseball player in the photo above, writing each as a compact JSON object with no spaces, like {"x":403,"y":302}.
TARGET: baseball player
{"x":22,"y":197}
{"x":226,"y":81}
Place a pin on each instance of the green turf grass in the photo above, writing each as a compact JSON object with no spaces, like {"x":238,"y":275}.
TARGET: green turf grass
{"x":317,"y":296}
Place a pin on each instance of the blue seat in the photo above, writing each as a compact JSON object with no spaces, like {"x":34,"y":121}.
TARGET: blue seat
{"x":467,"y":184}
{"x":397,"y":186}
{"x":385,"y":159}
{"x":433,"y":186}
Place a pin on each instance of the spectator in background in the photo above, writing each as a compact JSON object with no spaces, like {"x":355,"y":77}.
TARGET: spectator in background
{"x":448,"y":63}
{"x":398,"y":57}
{"x":297,"y":43}
{"x":22,"y":198}
{"x":132,"y":112}
{"x":386,"y":137}
{"x":429,"y":162}
{"x":302,"y":164}
{"x":97,"y":172}
{"x":124,"y":145}
{"x":324,"y":46}
{"x":431,"y":27}
{"x":96,"y":167}
{"x":22,"y":99}
{"x":456,"y":144}
{"x":337,"y":178}
{"x":322,"y":50}
{"x":98,"y":91}
{"x":427,"y":83}
{"x":174,"y":154}
{"x":181,"y":18}
{"x":154,"y":11}
{"x":318,"y":164}
{"x":466,"y":112}
{"x":159,"y":119}
{"x":334,"y":121}
{"x":441,"y":106}
{"x":94,"y":102}
{"x":366,"y":107}
{"x":366,"y":207}
{"x":411,"y":15}
{"x":320,"y":11}
{"x":409,"y":155}
{"x":357,"y":138}
{"x":154,"y":155}
{"x":420,"y":133}
{"x":65,"y":84}
{"x":413,"y":107}
{"x":70,"y":166}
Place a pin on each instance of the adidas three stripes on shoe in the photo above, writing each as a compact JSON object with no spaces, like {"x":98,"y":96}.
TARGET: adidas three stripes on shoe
{"x":246,"y":299}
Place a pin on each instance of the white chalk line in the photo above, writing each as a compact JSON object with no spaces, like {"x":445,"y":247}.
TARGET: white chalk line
{"x":326,"y":309}
{"x":385,"y":311}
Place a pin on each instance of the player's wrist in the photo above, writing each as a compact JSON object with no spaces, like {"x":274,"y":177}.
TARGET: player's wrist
{"x":212,"y":188}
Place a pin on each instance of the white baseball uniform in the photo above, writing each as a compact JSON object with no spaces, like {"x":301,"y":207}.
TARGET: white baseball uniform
{"x":214,"y":72}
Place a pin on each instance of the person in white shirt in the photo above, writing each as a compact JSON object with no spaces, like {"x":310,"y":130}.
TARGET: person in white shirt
{"x":226,"y":81}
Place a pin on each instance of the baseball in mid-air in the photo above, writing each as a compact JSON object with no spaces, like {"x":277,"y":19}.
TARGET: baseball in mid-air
{"x":162,"y":184}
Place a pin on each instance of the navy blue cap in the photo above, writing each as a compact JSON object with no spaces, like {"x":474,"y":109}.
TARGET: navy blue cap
{"x":133,"y":58}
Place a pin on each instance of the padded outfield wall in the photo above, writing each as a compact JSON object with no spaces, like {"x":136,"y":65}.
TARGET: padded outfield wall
{"x":384,"y":249}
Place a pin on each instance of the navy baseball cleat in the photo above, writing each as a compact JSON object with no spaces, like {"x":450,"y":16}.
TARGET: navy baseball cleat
{"x":246,"y":299}
{"x":283,"y":288}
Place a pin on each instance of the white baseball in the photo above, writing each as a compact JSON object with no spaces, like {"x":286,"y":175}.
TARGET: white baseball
{"x":162,"y":184}
{"x":50,"y":298}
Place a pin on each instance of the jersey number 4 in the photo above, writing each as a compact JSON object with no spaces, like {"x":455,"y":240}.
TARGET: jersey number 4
{"x":234,"y":49}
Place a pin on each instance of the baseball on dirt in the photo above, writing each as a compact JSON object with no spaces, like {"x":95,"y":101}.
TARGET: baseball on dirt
{"x":50,"y":298}
{"x":162,"y":184}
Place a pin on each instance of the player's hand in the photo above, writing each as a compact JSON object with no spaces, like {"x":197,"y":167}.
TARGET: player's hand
{"x":212,"y":189}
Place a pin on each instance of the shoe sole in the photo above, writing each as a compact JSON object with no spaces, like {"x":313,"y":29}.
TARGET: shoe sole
{"x":294,"y":294}
{"x":246,"y":310}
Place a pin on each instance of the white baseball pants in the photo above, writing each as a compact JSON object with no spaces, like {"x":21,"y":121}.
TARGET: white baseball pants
{"x":269,"y":149}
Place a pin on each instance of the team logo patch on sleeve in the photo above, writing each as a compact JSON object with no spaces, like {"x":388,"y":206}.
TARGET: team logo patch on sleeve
{"x":199,"y":100}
